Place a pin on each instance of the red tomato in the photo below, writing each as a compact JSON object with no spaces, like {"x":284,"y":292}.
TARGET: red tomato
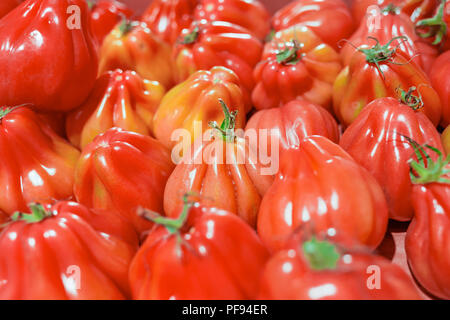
{"x":119,"y":99}
{"x":385,"y":26}
{"x":122,"y":171}
{"x":56,"y":121}
{"x":295,"y":64}
{"x":223,"y":170}
{"x":446,"y":139}
{"x":322,"y":188}
{"x":65,"y":251}
{"x":7,"y":5}
{"x":36,"y":163}
{"x":428,"y":238}
{"x":105,"y":14}
{"x":208,"y":44}
{"x":132,"y":46}
{"x":331,"y":20}
{"x":205,"y":254}
{"x":318,"y":270}
{"x":376,"y":72}
{"x":437,"y":28}
{"x":440,"y":80}
{"x":44,"y":62}
{"x":376,"y":141}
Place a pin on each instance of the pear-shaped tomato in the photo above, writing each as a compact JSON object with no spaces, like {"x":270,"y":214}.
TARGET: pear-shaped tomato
{"x":47,"y":55}
{"x":77,"y":253}
{"x":119,"y":99}
{"x":7,"y":5}
{"x":440,"y":80}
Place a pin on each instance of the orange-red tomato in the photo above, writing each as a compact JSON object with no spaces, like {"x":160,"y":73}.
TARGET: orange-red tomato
{"x":120,"y":99}
{"x":205,"y":254}
{"x":295,"y":64}
{"x":132,"y":46}
{"x":440,"y":80}
{"x":321,"y":188}
{"x":7,"y":5}
{"x":446,"y":139}
{"x":79,"y":254}
{"x":122,"y":171}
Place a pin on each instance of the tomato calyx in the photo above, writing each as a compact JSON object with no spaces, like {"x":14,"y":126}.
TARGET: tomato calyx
{"x":289,"y":55}
{"x":436,"y":25}
{"x":321,"y":255}
{"x":126,"y":26}
{"x":228,"y":124}
{"x":409,"y":99}
{"x":390,"y":9}
{"x":37,"y":214}
{"x":5,"y":110}
{"x":191,"y":37}
{"x":91,"y":4}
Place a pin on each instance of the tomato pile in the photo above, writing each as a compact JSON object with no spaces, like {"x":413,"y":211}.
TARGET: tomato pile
{"x":100,"y":200}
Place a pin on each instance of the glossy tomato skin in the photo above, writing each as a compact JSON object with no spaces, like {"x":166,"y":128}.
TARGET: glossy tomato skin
{"x":73,"y":240}
{"x":37,"y":164}
{"x":132,"y":46}
{"x":105,"y":15}
{"x":315,"y":191}
{"x":387,"y":26}
{"x":35,"y":36}
{"x":440,"y":80}
{"x":361,"y":82}
{"x":446,"y":139}
{"x":331,"y":20}
{"x":309,"y":74}
{"x":288,"y":276}
{"x":196,"y":99}
{"x":428,"y":238}
{"x":7,"y":5}
{"x":120,"y":99}
{"x":375,"y":141}
{"x":208,"y":44}
{"x":215,"y":244}
{"x":122,"y":171}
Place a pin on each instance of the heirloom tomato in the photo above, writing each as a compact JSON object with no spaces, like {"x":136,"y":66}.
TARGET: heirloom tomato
{"x":376,"y":72}
{"x":7,"y":5}
{"x":437,"y":28}
{"x":206,"y":253}
{"x":65,"y":251}
{"x":428,"y":237}
{"x":330,"y":20}
{"x":217,"y":43}
{"x":446,"y":139}
{"x":195,"y":101}
{"x":391,"y":24}
{"x":119,"y":99}
{"x":320,"y":187}
{"x":37,"y":164}
{"x":132,"y":46}
{"x":105,"y":15}
{"x":440,"y":80}
{"x":122,"y":171}
{"x":48,"y":57}
{"x":376,"y":140}
{"x":295,"y":64}
{"x":223,"y":170}
{"x":321,"y":270}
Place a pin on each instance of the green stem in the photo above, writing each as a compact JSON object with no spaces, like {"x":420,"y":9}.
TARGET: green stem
{"x":409,"y":99}
{"x":321,"y":255}
{"x":228,"y":124}
{"x":38,"y":213}
{"x":125,"y":26}
{"x":191,"y":37}
{"x":437,"y":25}
{"x":289,"y":55}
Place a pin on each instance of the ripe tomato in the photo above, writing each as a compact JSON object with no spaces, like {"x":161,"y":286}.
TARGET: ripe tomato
{"x":7,"y":5}
{"x":437,"y":28}
{"x":446,"y":139}
{"x":205,"y":253}
{"x":196,"y":100}
{"x":56,"y":121}
{"x":315,"y":189}
{"x":295,"y":64}
{"x":331,"y":20}
{"x":217,"y":43}
{"x":441,"y":82}
{"x":122,"y":171}
{"x":119,"y":99}
{"x":376,"y":72}
{"x":65,"y":251}
{"x":320,"y":270}
{"x":105,"y":15}
{"x":36,"y":164}
{"x":132,"y":46}
{"x":44,"y":62}
{"x":376,"y":141}
{"x":428,"y":236}
{"x":390,"y":24}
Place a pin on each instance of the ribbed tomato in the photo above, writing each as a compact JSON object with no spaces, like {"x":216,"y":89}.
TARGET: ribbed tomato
{"x":119,"y":99}
{"x":65,"y":251}
{"x":295,"y":64}
{"x":36,"y":163}
{"x":7,"y":5}
{"x":376,"y":140}
{"x":205,"y":253}
{"x":440,"y":80}
{"x":320,"y":188}
{"x":132,"y":46}
{"x":122,"y":171}
{"x":331,"y":20}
